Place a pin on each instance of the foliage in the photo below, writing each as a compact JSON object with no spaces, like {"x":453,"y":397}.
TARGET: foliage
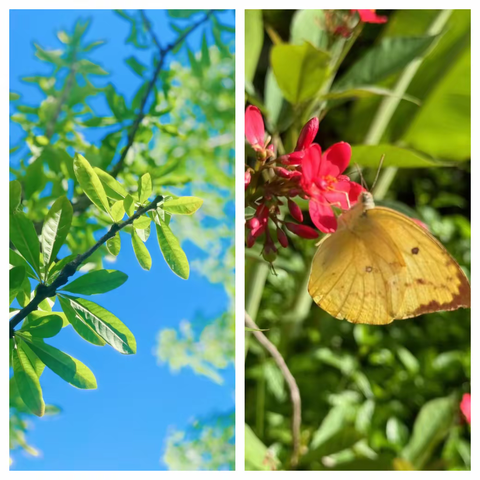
{"x":71,"y":198}
{"x":373,"y":398}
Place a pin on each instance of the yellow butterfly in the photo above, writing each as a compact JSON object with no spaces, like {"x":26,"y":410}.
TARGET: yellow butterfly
{"x":380,"y":266}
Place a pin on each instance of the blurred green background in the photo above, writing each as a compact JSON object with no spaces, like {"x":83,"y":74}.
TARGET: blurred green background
{"x":373,"y":398}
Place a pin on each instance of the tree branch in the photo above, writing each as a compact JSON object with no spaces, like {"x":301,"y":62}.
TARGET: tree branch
{"x":289,"y":379}
{"x":45,"y":291}
{"x":82,"y":202}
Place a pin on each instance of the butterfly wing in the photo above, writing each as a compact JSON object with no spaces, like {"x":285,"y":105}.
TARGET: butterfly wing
{"x":433,"y":280}
{"x":358,"y":274}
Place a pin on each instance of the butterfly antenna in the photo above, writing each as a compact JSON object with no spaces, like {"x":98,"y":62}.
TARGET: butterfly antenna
{"x":359,"y":171}
{"x":378,"y":171}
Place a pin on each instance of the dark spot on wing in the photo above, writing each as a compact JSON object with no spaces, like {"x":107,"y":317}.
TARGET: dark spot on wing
{"x":421,"y":281}
{"x":415,"y":250}
{"x":368,"y":269}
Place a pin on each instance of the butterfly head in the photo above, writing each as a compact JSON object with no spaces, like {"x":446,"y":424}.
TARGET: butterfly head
{"x":366,"y":199}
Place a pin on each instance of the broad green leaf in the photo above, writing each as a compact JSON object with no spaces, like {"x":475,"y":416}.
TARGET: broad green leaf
{"x":37,"y":364}
{"x":114,"y":244}
{"x":143,"y":233}
{"x":142,"y":222}
{"x":253,"y":42}
{"x":118,"y":211}
{"x":390,"y":56}
{"x":105,"y":324}
{"x":144,"y":188}
{"x":430,"y":428}
{"x":90,"y":182}
{"x":84,"y":330}
{"x":98,"y":281}
{"x":15,"y":195}
{"x":37,"y":314}
{"x":138,"y":67}
{"x":442,"y":126}
{"x":171,"y":250}
{"x":300,"y":70}
{"x":365,"y":92}
{"x":257,"y":455}
{"x":25,"y":239}
{"x":112,"y":187}
{"x":129,"y":204}
{"x":27,"y":382}
{"x":141,"y":251}
{"x":34,"y":180}
{"x":370,"y":155}
{"x":16,"y":278}
{"x":183,"y":205}
{"x":307,"y":26}
{"x":55,"y":229}
{"x":24,"y":293}
{"x":14,"y":96}
{"x":56,"y":268}
{"x":44,"y":327}
{"x":70,"y":369}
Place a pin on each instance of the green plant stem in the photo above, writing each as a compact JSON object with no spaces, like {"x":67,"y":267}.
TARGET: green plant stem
{"x":45,"y":291}
{"x":256,"y":276}
{"x":389,"y":105}
{"x":289,"y":380}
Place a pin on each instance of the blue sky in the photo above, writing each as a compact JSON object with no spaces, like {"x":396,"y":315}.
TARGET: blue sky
{"x":123,"y":424}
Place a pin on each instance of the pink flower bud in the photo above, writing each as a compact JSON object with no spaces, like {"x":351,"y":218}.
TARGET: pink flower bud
{"x":253,"y":223}
{"x":307,"y":135}
{"x":282,"y":238}
{"x":295,"y":211}
{"x":465,"y":407}
{"x":248,"y":178}
{"x":284,"y":173}
{"x":250,"y":240}
{"x":302,"y":230}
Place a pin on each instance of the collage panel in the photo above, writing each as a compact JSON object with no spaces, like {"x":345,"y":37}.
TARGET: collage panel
{"x":357,"y":232}
{"x":121,"y":230}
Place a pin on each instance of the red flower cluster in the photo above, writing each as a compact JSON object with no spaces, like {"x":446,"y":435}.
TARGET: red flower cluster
{"x":307,"y":173}
{"x":465,"y":407}
{"x":369,"y":16}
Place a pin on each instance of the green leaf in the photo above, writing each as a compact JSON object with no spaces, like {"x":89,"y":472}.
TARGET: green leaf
{"x":118,"y":211}
{"x":105,"y":324}
{"x":138,"y":67}
{"x":390,"y":56}
{"x":44,"y":327}
{"x":112,"y":187}
{"x":27,"y":382}
{"x":183,"y":205}
{"x":307,"y":27}
{"x":17,"y":260}
{"x":90,"y":183}
{"x":144,"y":188}
{"x":84,"y":330}
{"x":365,"y":92}
{"x":55,"y":230}
{"x":70,"y":369}
{"x":141,"y":223}
{"x":129,"y":204}
{"x":16,"y":277}
{"x":253,"y":42}
{"x":300,"y":70}
{"x":194,"y":64}
{"x":257,"y":456}
{"x":114,"y":244}
{"x":25,"y":239}
{"x":57,"y":267}
{"x":430,"y":428}
{"x":86,"y":67}
{"x":370,"y":155}
{"x":93,"y":45}
{"x":98,"y":281}
{"x":205,"y":59}
{"x":14,"y":96}
{"x":143,"y":233}
{"x":51,"y":56}
{"x":171,"y":250}
{"x":445,"y":115}
{"x":15,"y":195}
{"x":141,"y":251}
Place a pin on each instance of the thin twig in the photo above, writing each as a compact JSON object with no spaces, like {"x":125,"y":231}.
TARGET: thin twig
{"x":292,"y":385}
{"x":148,"y":26}
{"x":45,"y":291}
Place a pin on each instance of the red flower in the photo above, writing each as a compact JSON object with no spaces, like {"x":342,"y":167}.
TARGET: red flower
{"x":323,"y":182}
{"x":303,"y":231}
{"x":305,"y":139}
{"x":254,"y":128}
{"x":369,"y":16}
{"x":465,"y":407}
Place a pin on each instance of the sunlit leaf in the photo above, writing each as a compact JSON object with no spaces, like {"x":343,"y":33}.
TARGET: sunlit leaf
{"x":171,"y":250}
{"x":25,"y":239}
{"x":183,"y":205}
{"x":98,"y":281}
{"x":141,"y":251}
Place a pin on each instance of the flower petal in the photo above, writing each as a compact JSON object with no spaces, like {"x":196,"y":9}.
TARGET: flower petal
{"x":339,"y":197}
{"x":311,"y":163}
{"x":322,"y":216}
{"x":307,"y":135}
{"x":254,"y":127}
{"x":336,"y":159}
{"x":369,"y":16}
